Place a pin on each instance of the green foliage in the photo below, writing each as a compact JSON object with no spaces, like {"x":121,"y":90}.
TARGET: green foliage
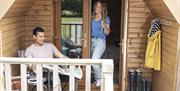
{"x":72,"y":8}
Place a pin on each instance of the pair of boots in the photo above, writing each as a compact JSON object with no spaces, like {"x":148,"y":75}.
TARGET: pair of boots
{"x":134,"y":80}
{"x":146,"y":85}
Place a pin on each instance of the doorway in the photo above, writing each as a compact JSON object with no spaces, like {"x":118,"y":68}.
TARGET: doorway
{"x":113,"y":49}
{"x":113,"y":39}
{"x":71,"y":28}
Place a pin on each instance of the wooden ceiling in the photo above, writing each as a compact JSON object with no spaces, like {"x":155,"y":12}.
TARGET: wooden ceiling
{"x":19,"y":7}
{"x":160,"y":9}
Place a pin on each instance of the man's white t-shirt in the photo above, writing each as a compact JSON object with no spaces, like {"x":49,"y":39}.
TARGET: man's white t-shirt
{"x":47,"y":50}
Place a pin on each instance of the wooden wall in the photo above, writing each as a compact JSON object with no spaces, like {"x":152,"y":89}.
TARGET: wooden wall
{"x":138,"y":25}
{"x":178,"y":59}
{"x":165,"y":80}
{"x":38,"y":15}
{"x":12,"y":28}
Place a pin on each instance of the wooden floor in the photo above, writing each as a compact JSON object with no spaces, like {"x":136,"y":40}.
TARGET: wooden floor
{"x":80,"y":88}
{"x":94,"y":88}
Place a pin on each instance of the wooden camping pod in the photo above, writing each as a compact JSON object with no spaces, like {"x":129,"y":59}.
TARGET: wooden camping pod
{"x":17,"y":24}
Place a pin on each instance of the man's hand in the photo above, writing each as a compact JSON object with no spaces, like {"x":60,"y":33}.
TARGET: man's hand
{"x":30,"y":67}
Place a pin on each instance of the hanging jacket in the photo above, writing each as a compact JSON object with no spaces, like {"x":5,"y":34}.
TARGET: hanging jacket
{"x":153,"y":50}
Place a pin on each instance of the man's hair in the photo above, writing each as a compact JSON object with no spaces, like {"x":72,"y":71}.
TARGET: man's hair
{"x":37,"y":29}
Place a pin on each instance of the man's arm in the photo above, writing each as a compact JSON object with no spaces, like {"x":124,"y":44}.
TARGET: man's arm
{"x":28,"y":54}
{"x":57,"y":53}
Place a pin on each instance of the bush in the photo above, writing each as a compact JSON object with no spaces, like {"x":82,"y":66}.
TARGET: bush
{"x":72,"y":8}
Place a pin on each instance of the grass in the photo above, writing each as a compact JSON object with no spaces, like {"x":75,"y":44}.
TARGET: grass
{"x":71,"y":19}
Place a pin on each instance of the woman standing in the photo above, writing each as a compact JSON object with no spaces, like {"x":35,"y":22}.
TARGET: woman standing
{"x":100,"y":28}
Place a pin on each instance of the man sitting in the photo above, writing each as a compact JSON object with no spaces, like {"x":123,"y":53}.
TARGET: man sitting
{"x":39,"y":49}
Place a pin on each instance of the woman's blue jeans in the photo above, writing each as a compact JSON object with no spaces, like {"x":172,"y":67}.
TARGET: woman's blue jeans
{"x":98,"y":47}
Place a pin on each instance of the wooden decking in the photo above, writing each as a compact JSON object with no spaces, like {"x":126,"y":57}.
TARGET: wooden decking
{"x":94,"y":88}
{"x":107,"y":72}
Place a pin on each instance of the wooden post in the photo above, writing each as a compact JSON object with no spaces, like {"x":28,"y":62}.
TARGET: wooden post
{"x":72,"y":78}
{"x":107,"y":76}
{"x":1,"y":64}
{"x":88,"y":78}
{"x":8,"y":77}
{"x":1,"y":77}
{"x":23,"y":77}
{"x":40,"y":78}
{"x":56,"y":80}
{"x":86,"y":28}
{"x":56,"y":17}
{"x":124,"y":63}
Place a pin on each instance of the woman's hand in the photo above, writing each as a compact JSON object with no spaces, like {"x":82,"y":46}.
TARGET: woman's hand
{"x":105,"y":27}
{"x":103,"y":24}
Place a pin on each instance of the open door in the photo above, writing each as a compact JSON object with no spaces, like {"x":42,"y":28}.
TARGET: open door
{"x":86,"y":28}
{"x":78,"y":31}
{"x":56,"y":16}
{"x":72,"y":24}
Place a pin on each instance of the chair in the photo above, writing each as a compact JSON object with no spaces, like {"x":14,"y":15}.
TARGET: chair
{"x":74,"y":50}
{"x":47,"y":70}
{"x":31,"y":77}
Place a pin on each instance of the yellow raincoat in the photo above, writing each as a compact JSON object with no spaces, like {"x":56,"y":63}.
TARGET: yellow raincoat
{"x":153,"y":51}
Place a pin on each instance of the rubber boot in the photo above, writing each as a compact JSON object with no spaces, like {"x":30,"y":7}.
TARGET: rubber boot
{"x":148,"y":86}
{"x":131,"y":80}
{"x":138,"y":79}
{"x":143,"y":85}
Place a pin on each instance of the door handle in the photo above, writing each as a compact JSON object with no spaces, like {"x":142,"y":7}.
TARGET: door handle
{"x":84,"y":39}
{"x":121,"y":44}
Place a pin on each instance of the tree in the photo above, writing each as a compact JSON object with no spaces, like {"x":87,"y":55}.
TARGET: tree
{"x":74,"y":6}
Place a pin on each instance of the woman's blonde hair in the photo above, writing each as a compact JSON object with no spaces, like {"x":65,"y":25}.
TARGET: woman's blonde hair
{"x":104,"y":11}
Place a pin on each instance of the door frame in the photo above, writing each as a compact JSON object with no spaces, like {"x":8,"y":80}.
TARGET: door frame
{"x":86,"y":28}
{"x":86,"y":34}
{"x":124,"y":44}
{"x":56,"y":17}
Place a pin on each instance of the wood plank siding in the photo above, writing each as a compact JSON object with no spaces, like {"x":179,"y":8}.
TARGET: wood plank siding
{"x":165,"y":80}
{"x":24,"y":15}
{"x":138,"y":25}
{"x":12,"y":29}
{"x":39,"y":15}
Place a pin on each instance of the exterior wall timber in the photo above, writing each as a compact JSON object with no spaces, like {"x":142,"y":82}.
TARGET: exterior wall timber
{"x":159,"y":9}
{"x":166,"y":79}
{"x":38,"y":15}
{"x":138,"y":27}
{"x":12,"y":29}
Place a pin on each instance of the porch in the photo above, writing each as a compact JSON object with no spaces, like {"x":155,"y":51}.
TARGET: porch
{"x":106,"y":80}
{"x":19,"y":17}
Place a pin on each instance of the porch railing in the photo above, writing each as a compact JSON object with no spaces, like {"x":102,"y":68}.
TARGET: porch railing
{"x":106,"y":64}
{"x":72,"y":30}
